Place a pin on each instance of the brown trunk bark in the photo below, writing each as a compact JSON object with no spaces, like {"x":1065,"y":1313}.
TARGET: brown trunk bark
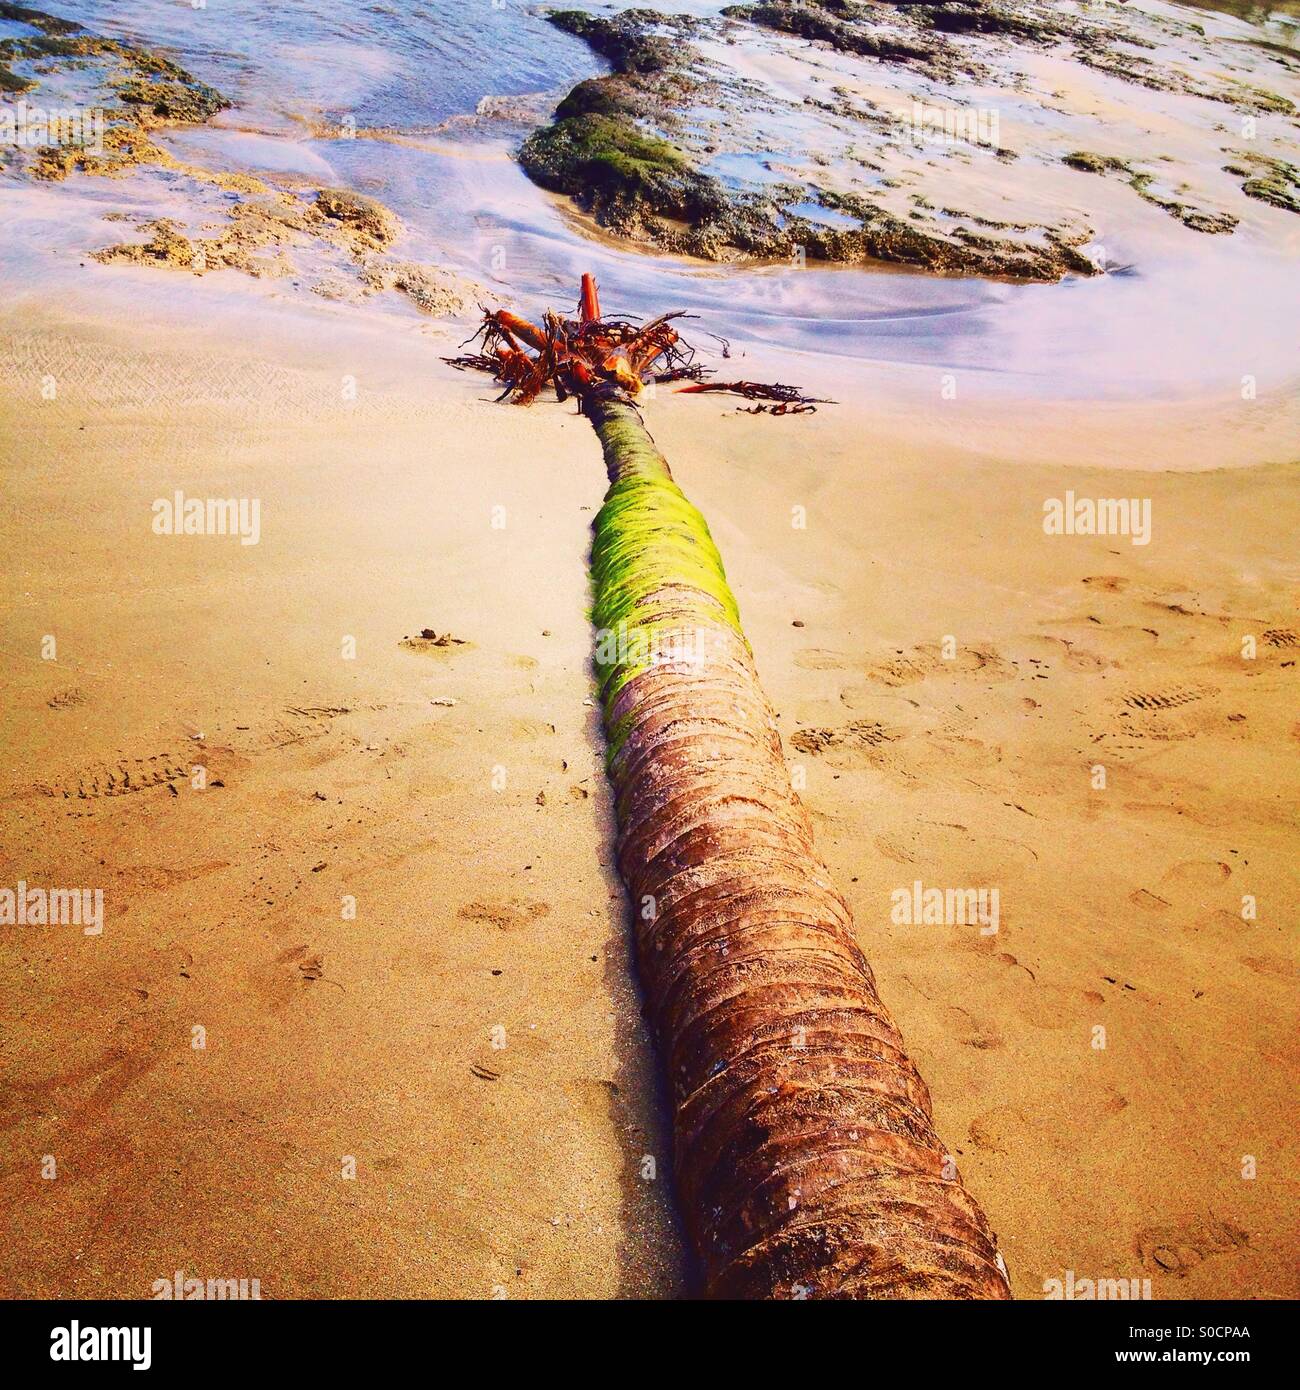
{"x":806,"y":1161}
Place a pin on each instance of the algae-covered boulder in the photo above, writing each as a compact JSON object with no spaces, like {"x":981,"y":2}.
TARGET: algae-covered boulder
{"x":623,"y":39}
{"x":600,"y":96}
{"x":594,"y":158}
{"x":172,"y":100}
{"x":1089,"y":163}
{"x":1269,"y":181}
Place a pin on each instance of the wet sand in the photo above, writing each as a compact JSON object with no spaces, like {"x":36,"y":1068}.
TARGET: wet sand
{"x":475,"y":836}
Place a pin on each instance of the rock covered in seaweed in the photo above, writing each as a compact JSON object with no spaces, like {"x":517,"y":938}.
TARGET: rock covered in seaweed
{"x":605,"y":150}
{"x":150,"y":86}
{"x":144,"y":92}
{"x":1269,"y":180}
{"x":690,"y":146}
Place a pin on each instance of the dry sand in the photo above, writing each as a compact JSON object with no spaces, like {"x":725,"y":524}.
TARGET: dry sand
{"x":482,"y":906}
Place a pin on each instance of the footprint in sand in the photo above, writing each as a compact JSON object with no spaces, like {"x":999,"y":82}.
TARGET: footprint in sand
{"x":955,"y":854}
{"x":155,"y":876}
{"x":969,"y":1031}
{"x":926,"y":750}
{"x":1278,"y":967}
{"x":1142,"y":721}
{"x":903,"y":716}
{"x":505,"y":914}
{"x":67,"y":699}
{"x":1009,"y":960}
{"x":124,"y":777}
{"x":1107,"y":583}
{"x":1197,"y":883}
{"x":893,"y":850}
{"x":531,"y":728}
{"x":299,"y":725}
{"x":860,"y":734}
{"x":1081,"y":659}
{"x":1199,"y":873}
{"x":1178,"y":1249}
{"x":996,"y":1130}
{"x":283,"y":980}
{"x":1169,"y":699}
{"x":1038,"y":649}
{"x":83,"y":1094}
{"x":818,"y":659}
{"x":1006,"y":1128}
{"x":1224,"y":923}
{"x":922,"y":662}
{"x":1050,"y":1007}
{"x":1116,"y":642}
{"x":310,"y":964}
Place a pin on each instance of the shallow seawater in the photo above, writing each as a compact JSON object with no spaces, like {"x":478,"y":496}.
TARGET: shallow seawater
{"x":454,"y":87}
{"x":405,"y":63}
{"x":16,"y":29}
{"x":1279,"y":17}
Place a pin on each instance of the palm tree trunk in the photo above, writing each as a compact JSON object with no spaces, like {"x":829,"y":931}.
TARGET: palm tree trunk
{"x":806,"y":1161}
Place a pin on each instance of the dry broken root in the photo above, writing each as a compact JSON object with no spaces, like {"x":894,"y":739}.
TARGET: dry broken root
{"x":576,"y":356}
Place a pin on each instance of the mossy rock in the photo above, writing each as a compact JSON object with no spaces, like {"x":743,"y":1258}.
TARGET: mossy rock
{"x":590,"y":153}
{"x":11,"y":82}
{"x":599,"y":96}
{"x":1091,"y":163}
{"x":1214,"y":223}
{"x":807,"y":22}
{"x":169,"y":100}
{"x":1274,"y":191}
{"x":156,"y":89}
{"x":38,"y":19}
{"x":988,"y":19}
{"x":624,"y":40}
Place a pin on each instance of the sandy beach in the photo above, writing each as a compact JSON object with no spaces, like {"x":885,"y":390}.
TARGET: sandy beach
{"x":480,"y":907}
{"x":363,"y":1018}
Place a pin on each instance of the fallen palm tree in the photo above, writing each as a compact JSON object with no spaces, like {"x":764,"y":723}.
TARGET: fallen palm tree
{"x":806,"y":1160}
